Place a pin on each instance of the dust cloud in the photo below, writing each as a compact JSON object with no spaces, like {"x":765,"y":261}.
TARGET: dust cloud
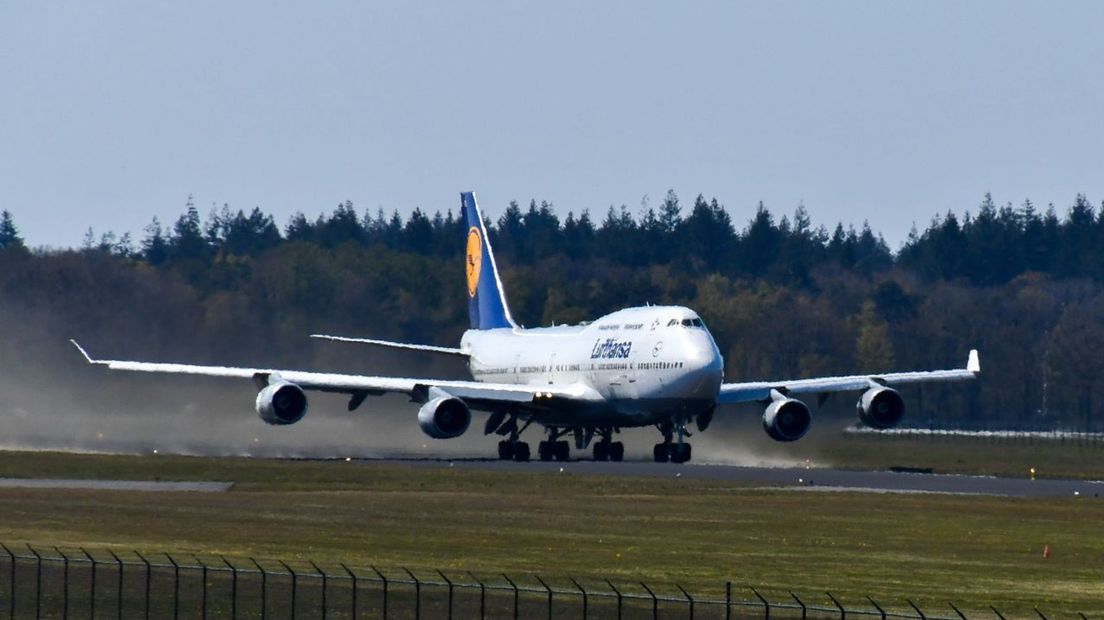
{"x":50,"y":399}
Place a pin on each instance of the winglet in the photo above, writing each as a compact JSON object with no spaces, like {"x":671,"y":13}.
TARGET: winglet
{"x":83,"y":352}
{"x":973,"y":364}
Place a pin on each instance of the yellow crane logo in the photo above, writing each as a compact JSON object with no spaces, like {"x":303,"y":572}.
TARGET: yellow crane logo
{"x":474,"y":260}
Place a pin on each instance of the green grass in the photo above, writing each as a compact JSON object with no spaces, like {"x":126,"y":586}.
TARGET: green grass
{"x":1051,"y":459}
{"x":979,"y":551}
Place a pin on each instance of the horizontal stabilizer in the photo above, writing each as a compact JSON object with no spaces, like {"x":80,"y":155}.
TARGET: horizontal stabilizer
{"x":393,"y":345}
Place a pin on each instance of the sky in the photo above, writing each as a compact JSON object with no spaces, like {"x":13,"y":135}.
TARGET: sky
{"x":114,"y":112}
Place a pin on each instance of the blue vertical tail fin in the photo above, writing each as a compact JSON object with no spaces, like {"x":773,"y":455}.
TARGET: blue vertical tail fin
{"x":487,"y":306}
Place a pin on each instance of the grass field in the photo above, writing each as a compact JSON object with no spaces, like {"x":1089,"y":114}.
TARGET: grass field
{"x":1051,"y":459}
{"x":978,"y":551}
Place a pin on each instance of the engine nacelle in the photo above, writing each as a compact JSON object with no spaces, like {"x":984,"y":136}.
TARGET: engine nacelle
{"x":787,"y":419}
{"x":881,"y":408}
{"x":281,"y":404}
{"x":444,"y":417}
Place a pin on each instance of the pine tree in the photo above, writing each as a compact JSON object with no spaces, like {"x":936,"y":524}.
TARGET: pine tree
{"x":9,"y":234}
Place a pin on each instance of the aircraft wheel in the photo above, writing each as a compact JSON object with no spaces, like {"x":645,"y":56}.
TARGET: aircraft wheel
{"x":680,"y":453}
{"x":617,"y":451}
{"x":505,"y":450}
{"x":521,"y":451}
{"x":662,"y":452}
{"x":546,"y":450}
{"x":601,"y":451}
{"x":562,"y":451}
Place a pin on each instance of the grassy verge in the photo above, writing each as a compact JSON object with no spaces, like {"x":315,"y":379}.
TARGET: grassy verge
{"x":979,"y":551}
{"x":1051,"y":459}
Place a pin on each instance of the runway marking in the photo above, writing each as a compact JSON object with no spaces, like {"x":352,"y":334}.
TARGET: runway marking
{"x":114,"y":485}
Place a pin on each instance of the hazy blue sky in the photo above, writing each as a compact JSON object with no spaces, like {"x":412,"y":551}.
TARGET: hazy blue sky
{"x":113,"y":112}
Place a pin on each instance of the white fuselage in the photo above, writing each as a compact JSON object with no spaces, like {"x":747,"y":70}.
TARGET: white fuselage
{"x":647,"y":364}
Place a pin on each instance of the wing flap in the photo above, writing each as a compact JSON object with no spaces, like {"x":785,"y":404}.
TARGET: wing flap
{"x":425,"y":348}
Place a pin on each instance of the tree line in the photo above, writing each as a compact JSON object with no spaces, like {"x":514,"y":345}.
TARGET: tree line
{"x":784,"y":298}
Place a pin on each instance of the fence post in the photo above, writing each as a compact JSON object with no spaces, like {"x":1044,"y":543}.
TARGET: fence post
{"x":449,"y":582}
{"x":843,"y":612}
{"x":957,"y":611}
{"x":417,"y":594}
{"x":203,"y":568}
{"x":688,"y":598}
{"x":119,"y":592}
{"x":583,"y":590}
{"x":294,"y":587}
{"x":618,"y":593}
{"x":1040,"y":613}
{"x":91,"y":586}
{"x":264,"y":588}
{"x":11,"y":601}
{"x":64,"y":584}
{"x":323,"y":573}
{"x":1001,"y":616}
{"x":766,"y":604}
{"x":804,"y":609}
{"x":514,"y":586}
{"x":383,"y":578}
{"x":149,"y":580}
{"x":728,"y":600}
{"x":917,"y":609}
{"x":482,"y":596}
{"x":545,"y":586}
{"x":233,"y":588}
{"x":882,"y":611}
{"x":38,"y":582}
{"x":352,"y":576}
{"x":655,"y":602}
{"x":176,"y":586}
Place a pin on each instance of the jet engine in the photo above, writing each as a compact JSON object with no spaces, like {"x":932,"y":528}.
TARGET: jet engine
{"x":787,"y":419}
{"x":444,"y":417}
{"x":281,"y":404}
{"x":881,"y":407}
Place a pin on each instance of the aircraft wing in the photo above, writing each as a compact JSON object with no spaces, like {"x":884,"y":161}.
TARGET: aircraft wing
{"x":393,"y":345}
{"x":761,"y":390}
{"x":479,"y":394}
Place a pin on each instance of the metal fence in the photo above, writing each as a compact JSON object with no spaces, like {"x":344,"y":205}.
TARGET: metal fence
{"x":56,"y":583}
{"x":1002,"y":436}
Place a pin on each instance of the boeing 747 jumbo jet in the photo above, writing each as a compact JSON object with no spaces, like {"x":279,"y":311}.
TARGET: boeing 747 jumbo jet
{"x":648,"y":366}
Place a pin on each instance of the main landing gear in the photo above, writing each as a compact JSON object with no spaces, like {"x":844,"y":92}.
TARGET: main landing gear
{"x":554,"y":447}
{"x":511,"y":448}
{"x":674,"y":447}
{"x":606,"y":449}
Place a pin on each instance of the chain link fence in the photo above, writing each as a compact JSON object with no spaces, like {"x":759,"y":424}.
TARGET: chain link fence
{"x":76,"y":583}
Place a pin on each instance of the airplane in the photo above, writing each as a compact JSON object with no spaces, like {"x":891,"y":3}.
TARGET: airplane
{"x":643,"y":366}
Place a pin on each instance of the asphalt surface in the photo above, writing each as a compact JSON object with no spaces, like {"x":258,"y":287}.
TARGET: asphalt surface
{"x":798,"y":479}
{"x":113,"y":485}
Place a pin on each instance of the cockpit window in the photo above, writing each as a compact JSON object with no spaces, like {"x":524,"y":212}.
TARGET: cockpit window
{"x":672,"y":322}
{"x":692,"y":323}
{"x":687,"y":322}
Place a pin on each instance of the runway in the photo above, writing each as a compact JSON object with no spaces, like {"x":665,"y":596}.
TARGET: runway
{"x":114,"y":485}
{"x":798,"y":479}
